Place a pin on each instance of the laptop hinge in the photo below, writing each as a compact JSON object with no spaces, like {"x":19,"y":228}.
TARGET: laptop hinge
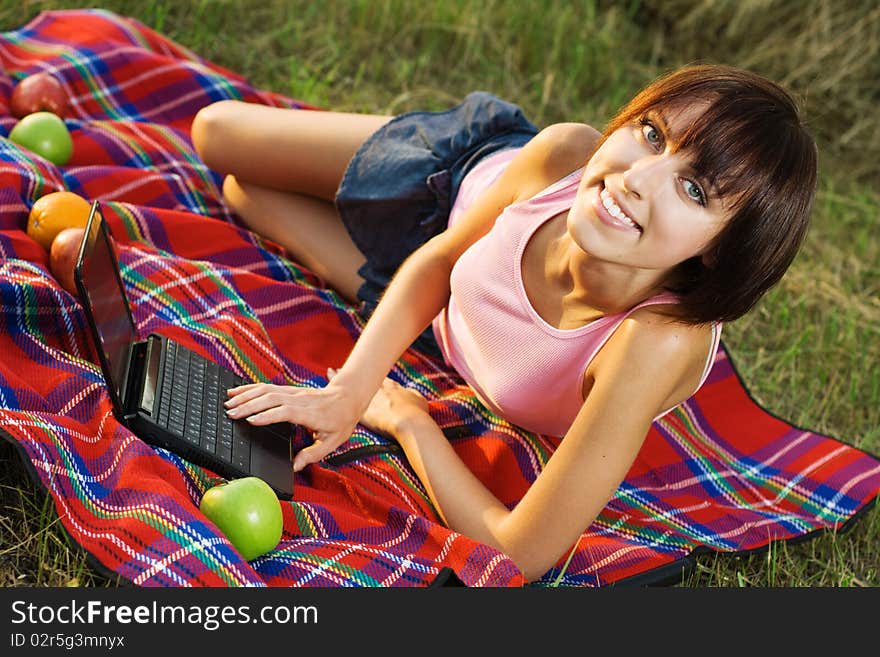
{"x":134,"y":378}
{"x":152,"y":354}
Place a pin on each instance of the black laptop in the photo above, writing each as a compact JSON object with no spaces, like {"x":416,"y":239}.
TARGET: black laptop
{"x":168,"y":395}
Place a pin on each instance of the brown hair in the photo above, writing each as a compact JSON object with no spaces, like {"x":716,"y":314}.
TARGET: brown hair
{"x":751,"y":146}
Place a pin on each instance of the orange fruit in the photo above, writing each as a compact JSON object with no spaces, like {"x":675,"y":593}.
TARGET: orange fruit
{"x":52,"y":213}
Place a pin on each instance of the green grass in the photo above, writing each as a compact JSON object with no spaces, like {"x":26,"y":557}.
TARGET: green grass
{"x":34,"y":549}
{"x":809,"y":352}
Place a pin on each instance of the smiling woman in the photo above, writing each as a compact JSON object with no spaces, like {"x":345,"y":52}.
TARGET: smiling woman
{"x":809,"y":351}
{"x":740,"y":137}
{"x":576,"y":281}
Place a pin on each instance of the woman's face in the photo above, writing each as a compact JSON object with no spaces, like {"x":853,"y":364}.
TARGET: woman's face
{"x":640,"y":204}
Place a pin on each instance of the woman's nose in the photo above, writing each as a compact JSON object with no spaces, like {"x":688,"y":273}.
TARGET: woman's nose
{"x":642,"y":175}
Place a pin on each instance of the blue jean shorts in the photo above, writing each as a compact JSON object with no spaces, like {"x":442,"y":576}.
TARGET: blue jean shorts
{"x":400,"y":185}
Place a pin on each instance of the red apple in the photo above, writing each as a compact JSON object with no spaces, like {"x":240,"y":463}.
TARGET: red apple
{"x":62,"y":256}
{"x":37,"y":93}
{"x":248,"y":513}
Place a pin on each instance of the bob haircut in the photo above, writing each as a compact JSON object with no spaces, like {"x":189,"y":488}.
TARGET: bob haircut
{"x":751,"y":148}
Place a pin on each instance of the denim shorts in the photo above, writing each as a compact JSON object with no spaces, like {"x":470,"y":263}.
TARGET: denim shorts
{"x":400,"y":185}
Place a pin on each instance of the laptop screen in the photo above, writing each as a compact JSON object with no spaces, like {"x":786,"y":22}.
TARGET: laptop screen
{"x":105,"y":297}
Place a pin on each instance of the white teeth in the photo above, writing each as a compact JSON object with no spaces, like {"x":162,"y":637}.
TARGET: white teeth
{"x":614,"y":210}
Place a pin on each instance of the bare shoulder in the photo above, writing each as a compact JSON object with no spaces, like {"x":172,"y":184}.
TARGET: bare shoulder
{"x":651,"y":346}
{"x":671,"y":338}
{"x":552,"y":154}
{"x":574,"y":142}
{"x":555,"y":152}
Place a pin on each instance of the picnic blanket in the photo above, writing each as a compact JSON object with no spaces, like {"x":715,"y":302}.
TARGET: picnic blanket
{"x":720,"y":473}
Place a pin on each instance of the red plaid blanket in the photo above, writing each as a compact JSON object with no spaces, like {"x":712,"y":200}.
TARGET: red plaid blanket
{"x":719,"y":473}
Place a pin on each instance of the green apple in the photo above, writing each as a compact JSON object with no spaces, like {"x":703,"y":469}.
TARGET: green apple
{"x":248,"y":513}
{"x":45,"y":134}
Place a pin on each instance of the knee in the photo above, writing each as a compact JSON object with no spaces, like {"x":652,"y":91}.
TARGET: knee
{"x":233,"y":193}
{"x":237,"y":199}
{"x":208,"y":128}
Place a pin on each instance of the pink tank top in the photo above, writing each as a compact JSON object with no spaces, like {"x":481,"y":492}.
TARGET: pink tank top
{"x":522,"y":368}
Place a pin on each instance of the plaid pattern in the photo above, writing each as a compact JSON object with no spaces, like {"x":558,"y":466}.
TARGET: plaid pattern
{"x":719,"y":473}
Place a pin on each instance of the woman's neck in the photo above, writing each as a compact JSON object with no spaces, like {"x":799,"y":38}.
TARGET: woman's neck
{"x":607,"y":287}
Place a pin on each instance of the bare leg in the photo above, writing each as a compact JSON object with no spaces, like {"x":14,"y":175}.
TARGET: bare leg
{"x":307,"y":227}
{"x":283,"y":168}
{"x":304,"y":151}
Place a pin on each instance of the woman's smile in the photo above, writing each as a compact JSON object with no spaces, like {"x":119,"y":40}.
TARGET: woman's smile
{"x":637,"y":204}
{"x":611,"y":213}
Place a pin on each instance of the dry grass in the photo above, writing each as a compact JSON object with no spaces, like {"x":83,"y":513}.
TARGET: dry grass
{"x":826,"y":51}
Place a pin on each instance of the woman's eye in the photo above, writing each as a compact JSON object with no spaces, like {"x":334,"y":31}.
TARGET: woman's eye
{"x":651,"y":134}
{"x":694,"y":192}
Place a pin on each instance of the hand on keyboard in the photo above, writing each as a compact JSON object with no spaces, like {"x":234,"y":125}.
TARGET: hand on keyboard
{"x":329,"y":413}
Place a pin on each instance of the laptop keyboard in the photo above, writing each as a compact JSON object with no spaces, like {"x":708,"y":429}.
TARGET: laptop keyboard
{"x":190,"y":405}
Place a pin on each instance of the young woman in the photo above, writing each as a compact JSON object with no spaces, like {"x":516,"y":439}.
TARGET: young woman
{"x":576,"y":280}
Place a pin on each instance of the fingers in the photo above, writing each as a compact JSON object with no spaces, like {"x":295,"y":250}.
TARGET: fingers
{"x":311,"y":454}
{"x":241,"y":394}
{"x":269,"y":416}
{"x":266,"y":404}
{"x":256,"y":401}
{"x":321,"y":411}
{"x":237,"y":390}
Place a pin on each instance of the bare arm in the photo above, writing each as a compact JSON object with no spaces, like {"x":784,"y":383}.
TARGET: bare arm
{"x":414,"y":297}
{"x":640,"y":367}
{"x":421,"y":287}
